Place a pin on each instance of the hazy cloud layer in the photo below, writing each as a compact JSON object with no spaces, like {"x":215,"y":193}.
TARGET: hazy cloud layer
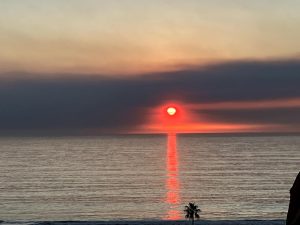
{"x":116,"y":104}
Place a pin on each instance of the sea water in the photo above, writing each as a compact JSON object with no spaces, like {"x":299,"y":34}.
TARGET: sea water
{"x":146,"y":177}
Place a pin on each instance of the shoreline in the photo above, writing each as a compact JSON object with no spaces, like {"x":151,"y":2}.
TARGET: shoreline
{"x":149,"y":222}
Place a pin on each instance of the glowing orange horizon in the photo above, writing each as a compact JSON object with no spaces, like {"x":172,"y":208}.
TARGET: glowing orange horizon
{"x":184,"y":120}
{"x":187,"y":118}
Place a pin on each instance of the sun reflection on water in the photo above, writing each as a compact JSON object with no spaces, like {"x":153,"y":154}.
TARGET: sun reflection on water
{"x":172,"y":181}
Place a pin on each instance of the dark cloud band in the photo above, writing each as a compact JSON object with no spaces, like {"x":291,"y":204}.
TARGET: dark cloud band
{"x":118,"y":103}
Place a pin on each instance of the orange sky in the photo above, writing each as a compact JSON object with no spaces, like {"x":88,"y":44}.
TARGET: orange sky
{"x":187,"y":121}
{"x":138,"y":36}
{"x":115,"y":65}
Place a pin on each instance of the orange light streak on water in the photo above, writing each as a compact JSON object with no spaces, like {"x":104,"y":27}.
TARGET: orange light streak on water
{"x":172,"y":181}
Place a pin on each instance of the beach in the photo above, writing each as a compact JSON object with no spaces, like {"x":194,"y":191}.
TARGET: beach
{"x":153,"y":222}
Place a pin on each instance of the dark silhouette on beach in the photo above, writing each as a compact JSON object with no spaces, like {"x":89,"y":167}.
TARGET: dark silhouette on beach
{"x":293,"y":216}
{"x":192,"y":211}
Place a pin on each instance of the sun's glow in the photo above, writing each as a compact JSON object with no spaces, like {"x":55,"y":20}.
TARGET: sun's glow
{"x":186,"y":119}
{"x":171,"y":111}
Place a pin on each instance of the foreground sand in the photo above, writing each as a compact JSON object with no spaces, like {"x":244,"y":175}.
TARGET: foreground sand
{"x":155,"y":222}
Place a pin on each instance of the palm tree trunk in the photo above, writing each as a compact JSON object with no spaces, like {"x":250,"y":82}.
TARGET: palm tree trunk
{"x":193,"y":221}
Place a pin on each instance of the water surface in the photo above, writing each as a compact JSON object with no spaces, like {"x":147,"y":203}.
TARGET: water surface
{"x":133,"y":177}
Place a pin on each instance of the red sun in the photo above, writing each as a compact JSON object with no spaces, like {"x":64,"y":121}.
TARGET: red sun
{"x":171,"y":111}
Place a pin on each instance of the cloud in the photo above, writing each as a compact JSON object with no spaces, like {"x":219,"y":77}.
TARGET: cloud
{"x":282,"y":116}
{"x":113,"y":104}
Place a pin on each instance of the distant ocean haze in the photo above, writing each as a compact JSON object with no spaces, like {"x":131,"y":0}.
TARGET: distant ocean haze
{"x":133,"y":177}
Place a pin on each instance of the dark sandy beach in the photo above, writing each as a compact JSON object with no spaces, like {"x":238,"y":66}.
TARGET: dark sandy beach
{"x":153,"y":222}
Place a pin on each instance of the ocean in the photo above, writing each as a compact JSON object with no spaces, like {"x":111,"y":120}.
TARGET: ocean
{"x":147,"y":177}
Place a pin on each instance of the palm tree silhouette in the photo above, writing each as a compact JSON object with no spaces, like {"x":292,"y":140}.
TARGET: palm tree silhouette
{"x":192,"y":211}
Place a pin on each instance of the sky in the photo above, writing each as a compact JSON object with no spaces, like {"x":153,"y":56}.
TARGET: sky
{"x":113,"y":66}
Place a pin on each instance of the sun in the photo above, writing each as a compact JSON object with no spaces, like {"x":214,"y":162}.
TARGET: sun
{"x":171,"y":111}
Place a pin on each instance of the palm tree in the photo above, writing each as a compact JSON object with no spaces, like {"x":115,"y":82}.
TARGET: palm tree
{"x":192,"y":211}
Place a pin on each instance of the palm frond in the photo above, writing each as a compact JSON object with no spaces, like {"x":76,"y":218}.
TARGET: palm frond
{"x":192,"y":211}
